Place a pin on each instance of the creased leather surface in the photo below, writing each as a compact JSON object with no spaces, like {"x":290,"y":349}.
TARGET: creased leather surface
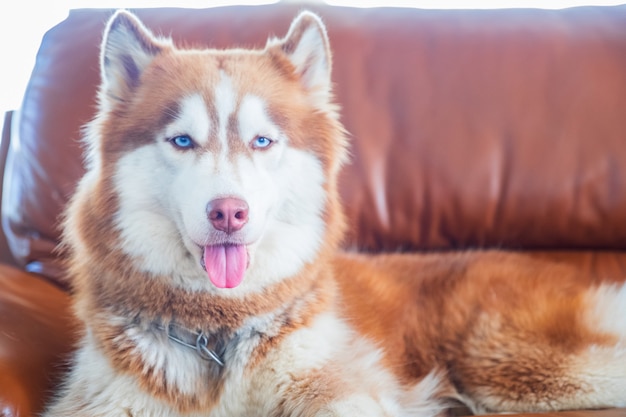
{"x":469,"y":128}
{"x":36,"y":334}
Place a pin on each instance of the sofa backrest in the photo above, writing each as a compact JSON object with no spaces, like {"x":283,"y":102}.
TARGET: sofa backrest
{"x":492,"y":128}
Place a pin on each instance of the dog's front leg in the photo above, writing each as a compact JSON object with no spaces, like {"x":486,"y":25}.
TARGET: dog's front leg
{"x":328,"y":369}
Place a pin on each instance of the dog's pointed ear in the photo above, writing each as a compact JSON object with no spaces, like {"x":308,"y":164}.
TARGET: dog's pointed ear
{"x":307,"y":47}
{"x":127,"y":49}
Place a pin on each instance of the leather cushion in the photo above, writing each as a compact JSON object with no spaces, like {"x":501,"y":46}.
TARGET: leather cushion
{"x":38,"y":332}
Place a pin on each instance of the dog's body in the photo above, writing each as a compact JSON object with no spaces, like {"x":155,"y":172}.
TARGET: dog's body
{"x":203,"y":242}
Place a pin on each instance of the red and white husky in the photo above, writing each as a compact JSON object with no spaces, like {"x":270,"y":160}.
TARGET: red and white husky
{"x":203,"y":244}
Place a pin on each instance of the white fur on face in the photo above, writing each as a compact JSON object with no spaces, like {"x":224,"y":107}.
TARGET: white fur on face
{"x":164,"y":193}
{"x":295,"y":229}
{"x":225,"y":102}
{"x":148,"y":230}
{"x":254,"y":121}
{"x":193,"y":120}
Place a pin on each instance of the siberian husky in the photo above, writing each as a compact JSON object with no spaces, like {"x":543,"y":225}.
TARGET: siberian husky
{"x":203,"y":245}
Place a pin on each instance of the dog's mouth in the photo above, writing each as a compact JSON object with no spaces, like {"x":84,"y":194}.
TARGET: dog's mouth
{"x":225,"y":264}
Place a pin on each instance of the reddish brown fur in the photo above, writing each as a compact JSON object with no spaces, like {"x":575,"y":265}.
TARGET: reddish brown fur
{"x":504,"y":321}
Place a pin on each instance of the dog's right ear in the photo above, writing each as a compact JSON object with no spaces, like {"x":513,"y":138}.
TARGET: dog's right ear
{"x":127,"y":49}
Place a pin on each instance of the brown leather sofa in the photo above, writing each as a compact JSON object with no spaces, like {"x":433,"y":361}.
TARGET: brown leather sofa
{"x":470,"y":129}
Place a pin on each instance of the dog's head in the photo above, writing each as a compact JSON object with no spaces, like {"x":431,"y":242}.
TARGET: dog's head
{"x":219,"y":163}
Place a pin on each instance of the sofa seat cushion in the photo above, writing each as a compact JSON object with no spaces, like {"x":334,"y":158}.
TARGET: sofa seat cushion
{"x":37,"y":334}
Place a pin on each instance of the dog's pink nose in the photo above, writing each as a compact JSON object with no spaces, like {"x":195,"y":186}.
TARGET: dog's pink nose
{"x":228,"y":214}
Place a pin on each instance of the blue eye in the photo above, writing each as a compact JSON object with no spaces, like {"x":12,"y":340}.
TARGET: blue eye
{"x":261,"y":142}
{"x":182,"y":142}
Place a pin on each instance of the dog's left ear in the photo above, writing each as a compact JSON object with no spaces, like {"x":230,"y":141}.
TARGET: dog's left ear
{"x":307,"y":47}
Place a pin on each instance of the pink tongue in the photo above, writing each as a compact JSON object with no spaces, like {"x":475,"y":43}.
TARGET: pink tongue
{"x":225,"y":264}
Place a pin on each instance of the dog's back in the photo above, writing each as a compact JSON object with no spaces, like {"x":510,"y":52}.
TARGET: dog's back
{"x":511,"y":332}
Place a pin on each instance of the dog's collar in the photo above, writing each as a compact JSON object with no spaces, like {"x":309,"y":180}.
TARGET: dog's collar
{"x":196,"y":340}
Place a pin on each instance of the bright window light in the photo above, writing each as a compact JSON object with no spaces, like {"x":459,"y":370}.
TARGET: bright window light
{"x":21,"y":31}
{"x":475,"y":4}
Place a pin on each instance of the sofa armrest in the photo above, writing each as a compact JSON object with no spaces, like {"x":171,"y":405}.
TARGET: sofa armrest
{"x":37,"y":333}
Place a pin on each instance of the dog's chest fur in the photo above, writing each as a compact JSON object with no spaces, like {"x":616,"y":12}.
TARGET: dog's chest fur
{"x":264,"y":359}
{"x":137,"y":343}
